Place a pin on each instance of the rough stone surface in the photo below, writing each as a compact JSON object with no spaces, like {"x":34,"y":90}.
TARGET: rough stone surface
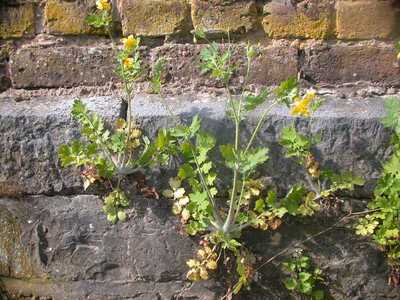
{"x":63,"y":17}
{"x":86,"y":66}
{"x":14,"y":259}
{"x":83,"y":256}
{"x":154,"y":17}
{"x":366,"y":19}
{"x":299,"y":19}
{"x":352,"y":137}
{"x":340,"y":63}
{"x":275,"y":63}
{"x":17,"y":21}
{"x":224,"y":16}
{"x":31,"y":133}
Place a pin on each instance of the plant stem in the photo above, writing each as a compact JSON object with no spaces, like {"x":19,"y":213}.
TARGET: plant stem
{"x":260,"y":122}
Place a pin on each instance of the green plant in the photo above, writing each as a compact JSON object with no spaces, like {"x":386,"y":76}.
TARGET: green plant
{"x":156,"y":78}
{"x":397,"y":46}
{"x":303,"y":278}
{"x":383,"y":222}
{"x":222,"y":212}
{"x":109,"y":155}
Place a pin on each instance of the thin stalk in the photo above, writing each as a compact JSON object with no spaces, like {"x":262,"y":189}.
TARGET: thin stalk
{"x":240,"y":198}
{"x":260,"y":122}
{"x":232,"y":204}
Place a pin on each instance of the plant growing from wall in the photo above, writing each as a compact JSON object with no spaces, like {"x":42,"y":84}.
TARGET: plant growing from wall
{"x":221,"y":212}
{"x":106,"y":155}
{"x":303,"y":278}
{"x":382,"y":224}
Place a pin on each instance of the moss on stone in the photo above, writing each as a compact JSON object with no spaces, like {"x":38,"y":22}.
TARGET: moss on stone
{"x":155,"y":17}
{"x":298,"y":26}
{"x":17,"y":21}
{"x":14,"y":259}
{"x":240,"y":16}
{"x":67,"y":17}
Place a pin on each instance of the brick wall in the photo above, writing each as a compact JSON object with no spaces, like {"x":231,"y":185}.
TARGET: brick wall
{"x":46,"y":43}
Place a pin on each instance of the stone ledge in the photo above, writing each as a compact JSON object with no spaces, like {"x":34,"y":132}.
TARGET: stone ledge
{"x":352,"y":137}
{"x":31,"y":133}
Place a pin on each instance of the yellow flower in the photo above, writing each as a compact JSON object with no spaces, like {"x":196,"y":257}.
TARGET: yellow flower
{"x":398,"y":56}
{"x":130,"y":42}
{"x":128,"y":63}
{"x":103,"y":5}
{"x":301,"y":106}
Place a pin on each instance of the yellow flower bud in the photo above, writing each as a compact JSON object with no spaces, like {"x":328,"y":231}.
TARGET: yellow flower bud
{"x":168,"y":194}
{"x":176,"y":208}
{"x":192,"y":263}
{"x":179,"y":193}
{"x":103,"y":5}
{"x":136,"y":133}
{"x":212,"y":265}
{"x":128,"y":63}
{"x":175,"y":182}
{"x":193,"y":275}
{"x":185,"y":214}
{"x":203,"y":273}
{"x":201,"y":254}
{"x":184,"y":201}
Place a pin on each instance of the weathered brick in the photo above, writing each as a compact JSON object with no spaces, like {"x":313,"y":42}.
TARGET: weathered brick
{"x":275,"y":63}
{"x":305,"y":19}
{"x":62,"y":66}
{"x":154,"y":17}
{"x":226,"y":16}
{"x":17,"y":21}
{"x":64,"y":17}
{"x":366,"y":19}
{"x":339,"y":63}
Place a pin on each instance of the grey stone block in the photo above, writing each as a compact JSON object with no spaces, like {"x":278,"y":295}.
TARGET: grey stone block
{"x":351,"y":135}
{"x":31,"y":133}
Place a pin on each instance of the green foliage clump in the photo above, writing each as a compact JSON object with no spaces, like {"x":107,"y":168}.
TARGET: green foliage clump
{"x":108,"y":155}
{"x":220,"y":212}
{"x":303,"y":278}
{"x":383,"y":222}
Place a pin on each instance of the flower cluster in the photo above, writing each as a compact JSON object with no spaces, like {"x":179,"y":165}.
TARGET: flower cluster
{"x":130,"y":45}
{"x":302,"y":106}
{"x":206,"y":261}
{"x":177,"y":193}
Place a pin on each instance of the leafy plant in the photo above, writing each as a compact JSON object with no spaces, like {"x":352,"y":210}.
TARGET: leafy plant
{"x":397,"y":46}
{"x":383,"y":222}
{"x":109,"y":155}
{"x":220,"y":211}
{"x":303,"y":278}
